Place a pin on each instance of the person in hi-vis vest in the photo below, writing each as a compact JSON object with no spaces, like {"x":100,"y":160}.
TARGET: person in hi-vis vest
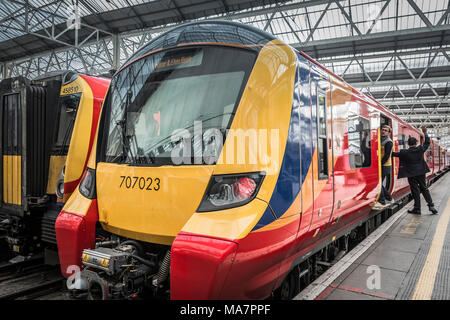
{"x":386,"y":164}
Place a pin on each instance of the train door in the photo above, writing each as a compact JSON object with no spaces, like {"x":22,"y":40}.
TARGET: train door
{"x":435,"y":158}
{"x":395,"y":137}
{"x":306,"y":145}
{"x":400,"y":144}
{"x":429,"y":159}
{"x":323,"y":177}
{"x":444,"y":164}
{"x":431,"y":164}
{"x":389,"y":181}
{"x":438,"y":158}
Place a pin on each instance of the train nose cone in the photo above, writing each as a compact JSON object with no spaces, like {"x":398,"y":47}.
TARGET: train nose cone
{"x":149,"y":204}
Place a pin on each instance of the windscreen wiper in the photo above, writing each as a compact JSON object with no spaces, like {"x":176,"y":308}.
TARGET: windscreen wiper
{"x":126,"y":146}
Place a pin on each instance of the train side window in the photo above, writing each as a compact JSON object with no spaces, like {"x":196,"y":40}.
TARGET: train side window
{"x":68,"y":106}
{"x":359,"y":142}
{"x":322,"y":135}
{"x":402,"y":141}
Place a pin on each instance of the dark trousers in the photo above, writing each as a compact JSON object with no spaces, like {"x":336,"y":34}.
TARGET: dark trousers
{"x":418,"y":185}
{"x":385,"y":176}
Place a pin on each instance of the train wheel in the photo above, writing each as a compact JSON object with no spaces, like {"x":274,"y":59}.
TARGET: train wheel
{"x":288,"y":287}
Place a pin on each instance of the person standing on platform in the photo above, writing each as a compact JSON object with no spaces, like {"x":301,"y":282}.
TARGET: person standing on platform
{"x":386,"y":165}
{"x":414,"y":167}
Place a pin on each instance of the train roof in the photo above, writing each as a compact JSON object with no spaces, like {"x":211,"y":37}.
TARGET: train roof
{"x":206,"y":31}
{"x":64,"y":75}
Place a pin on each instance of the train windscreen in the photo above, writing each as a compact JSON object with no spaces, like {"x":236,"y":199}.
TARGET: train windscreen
{"x":164,"y":104}
{"x":68,"y":106}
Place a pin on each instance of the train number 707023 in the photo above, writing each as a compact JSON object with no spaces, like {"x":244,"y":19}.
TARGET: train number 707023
{"x":143,"y":183}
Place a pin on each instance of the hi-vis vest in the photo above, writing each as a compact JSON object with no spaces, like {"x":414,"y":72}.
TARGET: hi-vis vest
{"x":383,"y":143}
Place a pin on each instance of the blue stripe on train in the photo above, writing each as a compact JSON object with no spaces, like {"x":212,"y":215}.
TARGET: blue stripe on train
{"x":306,"y":124}
{"x":299,"y":139}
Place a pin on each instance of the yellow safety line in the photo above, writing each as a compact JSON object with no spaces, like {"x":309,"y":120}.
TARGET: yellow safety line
{"x":425,"y":285}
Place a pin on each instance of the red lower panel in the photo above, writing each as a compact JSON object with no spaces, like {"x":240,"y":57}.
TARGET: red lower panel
{"x":74,"y":233}
{"x":199,"y":266}
{"x":210,"y":268}
{"x":255,"y":270}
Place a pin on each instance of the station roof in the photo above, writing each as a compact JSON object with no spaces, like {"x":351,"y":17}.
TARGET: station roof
{"x":26,"y":27}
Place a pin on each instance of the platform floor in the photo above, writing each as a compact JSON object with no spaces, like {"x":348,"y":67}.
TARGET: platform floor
{"x":406,"y":258}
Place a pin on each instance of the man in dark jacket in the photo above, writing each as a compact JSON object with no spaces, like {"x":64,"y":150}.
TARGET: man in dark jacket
{"x":414,"y":167}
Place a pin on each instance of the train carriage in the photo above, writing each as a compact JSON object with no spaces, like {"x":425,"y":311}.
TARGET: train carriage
{"x":48,"y":127}
{"x":177,"y":192}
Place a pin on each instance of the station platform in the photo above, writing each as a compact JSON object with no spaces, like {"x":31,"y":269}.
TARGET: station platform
{"x":406,"y":258}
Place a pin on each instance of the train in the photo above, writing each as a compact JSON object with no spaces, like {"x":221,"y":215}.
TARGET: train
{"x":226,"y":165}
{"x":48,"y":128}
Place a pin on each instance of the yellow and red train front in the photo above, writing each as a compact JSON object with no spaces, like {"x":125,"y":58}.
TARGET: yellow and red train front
{"x":73,"y":232}
{"x":162,"y":203}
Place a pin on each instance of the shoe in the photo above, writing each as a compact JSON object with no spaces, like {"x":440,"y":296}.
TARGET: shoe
{"x":433,"y":210}
{"x":392,"y":201}
{"x":378,"y":206}
{"x":414,"y":211}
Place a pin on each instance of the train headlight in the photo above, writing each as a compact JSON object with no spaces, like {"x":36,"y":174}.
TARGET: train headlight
{"x":60,"y":183}
{"x":229,"y":191}
{"x":87,"y":185}
{"x":60,"y":189}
